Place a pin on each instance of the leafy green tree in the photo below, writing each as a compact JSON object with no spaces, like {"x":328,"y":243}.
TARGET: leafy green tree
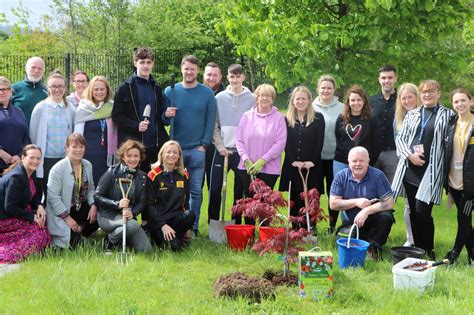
{"x":299,"y":40}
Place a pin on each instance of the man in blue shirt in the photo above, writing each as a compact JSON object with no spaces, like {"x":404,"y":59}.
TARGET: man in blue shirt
{"x":364,"y":193}
{"x":191,"y":112}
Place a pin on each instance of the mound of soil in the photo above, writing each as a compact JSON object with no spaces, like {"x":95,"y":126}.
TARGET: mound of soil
{"x":277,"y":278}
{"x":240,"y":284}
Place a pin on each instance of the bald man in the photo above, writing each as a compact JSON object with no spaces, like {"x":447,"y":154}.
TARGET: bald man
{"x":364,"y":194}
{"x":31,"y":91}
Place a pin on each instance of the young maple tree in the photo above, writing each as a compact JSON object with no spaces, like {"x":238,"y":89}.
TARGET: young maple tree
{"x":263,"y":205}
{"x":265,"y":202}
{"x":311,"y":207}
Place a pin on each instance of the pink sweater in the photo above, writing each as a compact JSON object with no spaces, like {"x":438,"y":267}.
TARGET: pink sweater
{"x":262,"y":136}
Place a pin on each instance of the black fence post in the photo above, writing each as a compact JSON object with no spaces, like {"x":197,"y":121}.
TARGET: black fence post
{"x":68,"y":69}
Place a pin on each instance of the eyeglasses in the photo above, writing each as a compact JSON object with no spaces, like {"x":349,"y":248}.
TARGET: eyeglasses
{"x":80,"y":81}
{"x":57,"y":87}
{"x":429,"y":92}
{"x":5,"y":90}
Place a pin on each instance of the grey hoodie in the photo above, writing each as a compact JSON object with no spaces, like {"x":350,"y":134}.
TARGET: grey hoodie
{"x":330,"y":113}
{"x":230,"y":108}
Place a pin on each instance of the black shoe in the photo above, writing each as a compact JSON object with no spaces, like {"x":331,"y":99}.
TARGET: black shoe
{"x":176,"y":244}
{"x":470,"y":256}
{"x":196,"y":233}
{"x":431,"y":255}
{"x":452,"y":256}
{"x":373,"y":253}
{"x":107,"y":246}
{"x":331,"y":230}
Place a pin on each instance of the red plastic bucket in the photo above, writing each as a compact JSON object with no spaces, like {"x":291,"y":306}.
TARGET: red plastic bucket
{"x":266,"y":232}
{"x":239,"y":235}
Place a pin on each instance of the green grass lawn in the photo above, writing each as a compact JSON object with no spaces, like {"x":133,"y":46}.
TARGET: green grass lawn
{"x":87,"y":282}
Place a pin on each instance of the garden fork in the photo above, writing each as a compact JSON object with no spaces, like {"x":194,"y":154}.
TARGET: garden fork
{"x":123,"y":256}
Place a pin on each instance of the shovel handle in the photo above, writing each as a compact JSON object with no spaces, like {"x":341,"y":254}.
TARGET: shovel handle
{"x":123,"y":181}
{"x":224,"y":186}
{"x":305,"y":184}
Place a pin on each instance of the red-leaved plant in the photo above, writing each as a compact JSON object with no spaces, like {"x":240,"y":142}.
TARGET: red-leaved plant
{"x":316,"y":214}
{"x":263,"y":205}
{"x":277,"y":244}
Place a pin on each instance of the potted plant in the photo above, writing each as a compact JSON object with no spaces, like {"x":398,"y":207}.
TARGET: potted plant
{"x":263,"y":208}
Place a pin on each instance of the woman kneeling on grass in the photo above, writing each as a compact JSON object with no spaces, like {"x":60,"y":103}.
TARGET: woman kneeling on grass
{"x":168,"y":198}
{"x":22,"y":216}
{"x":70,"y":207}
{"x":114,"y":208}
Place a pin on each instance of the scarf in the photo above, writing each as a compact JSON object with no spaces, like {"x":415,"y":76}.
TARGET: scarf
{"x":87,"y":111}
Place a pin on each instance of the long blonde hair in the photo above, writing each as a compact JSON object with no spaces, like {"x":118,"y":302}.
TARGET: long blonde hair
{"x":291,"y":112}
{"x":400,"y":111}
{"x":87,"y":94}
{"x":179,"y":164}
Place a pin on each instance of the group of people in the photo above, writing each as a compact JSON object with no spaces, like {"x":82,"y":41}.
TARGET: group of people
{"x":99,"y":159}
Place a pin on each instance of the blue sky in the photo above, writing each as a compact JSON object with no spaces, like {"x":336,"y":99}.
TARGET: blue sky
{"x":36,"y":7}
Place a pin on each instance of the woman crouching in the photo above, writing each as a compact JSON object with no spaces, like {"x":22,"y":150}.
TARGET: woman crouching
{"x":168,"y":214}
{"x":70,"y":208}
{"x":113,"y":207}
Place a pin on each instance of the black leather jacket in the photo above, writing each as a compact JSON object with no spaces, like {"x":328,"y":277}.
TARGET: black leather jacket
{"x":108,"y":193}
{"x":468,"y":162}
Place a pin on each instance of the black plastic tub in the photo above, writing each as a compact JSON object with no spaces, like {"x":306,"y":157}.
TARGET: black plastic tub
{"x":401,"y":252}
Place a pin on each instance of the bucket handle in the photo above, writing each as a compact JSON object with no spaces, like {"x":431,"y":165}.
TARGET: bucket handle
{"x":316,"y":249}
{"x":350,"y":233}
{"x":261,"y":222}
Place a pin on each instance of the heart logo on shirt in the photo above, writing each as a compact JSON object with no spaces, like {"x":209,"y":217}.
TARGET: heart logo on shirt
{"x":353,"y":131}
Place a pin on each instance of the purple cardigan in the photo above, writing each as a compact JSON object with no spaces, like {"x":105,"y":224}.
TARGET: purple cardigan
{"x":262,"y":136}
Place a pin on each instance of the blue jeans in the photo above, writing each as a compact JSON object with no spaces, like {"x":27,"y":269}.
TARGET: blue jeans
{"x":194,"y":161}
{"x":338,"y":166}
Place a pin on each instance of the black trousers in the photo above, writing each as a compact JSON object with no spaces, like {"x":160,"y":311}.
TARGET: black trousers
{"x":422,"y":223}
{"x":464,"y":234}
{"x":180,"y":223}
{"x":48,"y":163}
{"x":81,"y":218}
{"x":216,"y":179}
{"x":208,"y":165}
{"x":327,"y":173}
{"x":377,"y":227}
{"x":268,"y":179}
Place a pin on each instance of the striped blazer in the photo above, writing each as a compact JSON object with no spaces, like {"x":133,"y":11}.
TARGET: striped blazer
{"x":431,"y":185}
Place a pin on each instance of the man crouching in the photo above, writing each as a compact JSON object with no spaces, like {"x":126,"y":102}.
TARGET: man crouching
{"x":364,"y":194}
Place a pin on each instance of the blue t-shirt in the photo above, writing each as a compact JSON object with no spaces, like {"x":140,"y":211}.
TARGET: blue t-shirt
{"x":373,"y":185}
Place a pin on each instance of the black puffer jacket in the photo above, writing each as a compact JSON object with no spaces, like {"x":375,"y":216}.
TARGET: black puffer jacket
{"x":108,"y":193}
{"x":468,"y":162}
